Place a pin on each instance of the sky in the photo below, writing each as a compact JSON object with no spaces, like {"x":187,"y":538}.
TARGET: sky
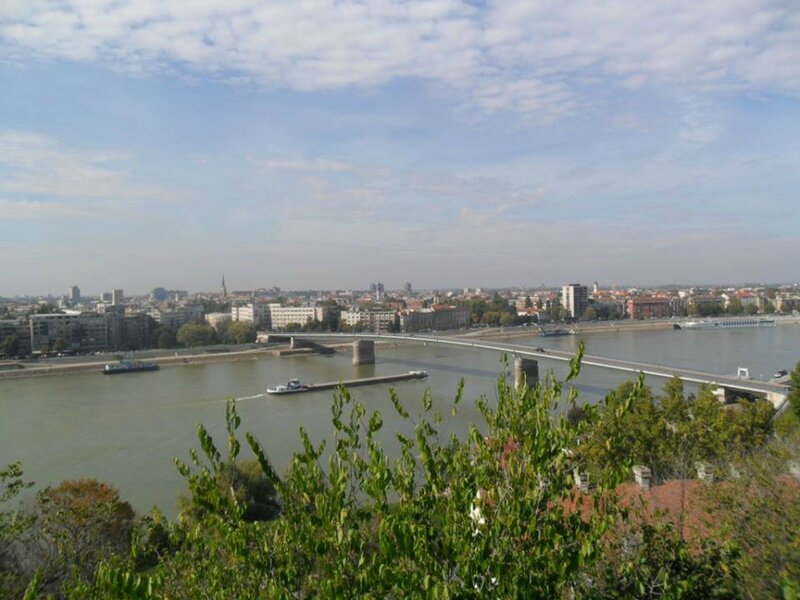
{"x":321,"y":144}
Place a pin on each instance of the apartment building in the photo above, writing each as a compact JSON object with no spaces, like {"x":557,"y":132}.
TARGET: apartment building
{"x":282,"y":317}
{"x":79,"y":331}
{"x":575,"y":298}
{"x":380,"y":321}
{"x":180,"y":315}
{"x":648,"y":308}
{"x":439,"y":317}
{"x":257,"y":313}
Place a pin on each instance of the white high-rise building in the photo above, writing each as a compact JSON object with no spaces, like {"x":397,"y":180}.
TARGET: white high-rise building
{"x":575,"y":298}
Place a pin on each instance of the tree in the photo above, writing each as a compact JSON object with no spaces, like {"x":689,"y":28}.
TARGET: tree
{"x":195,"y":334}
{"x":590,"y":314}
{"x":165,"y":337}
{"x":10,"y":346}
{"x":630,"y":417}
{"x":76,"y":525}
{"x":671,"y":433}
{"x":794,"y":390}
{"x":528,"y":302}
{"x":735,"y":307}
{"x":59,"y":345}
{"x":655,"y":561}
{"x":248,"y":484}
{"x":239,"y":332}
{"x":13,"y":523}
{"x":47,"y":309}
{"x":759,"y":511}
{"x":507,"y":319}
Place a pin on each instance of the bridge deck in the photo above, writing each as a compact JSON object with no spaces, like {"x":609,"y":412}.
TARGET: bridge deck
{"x":733,"y":383}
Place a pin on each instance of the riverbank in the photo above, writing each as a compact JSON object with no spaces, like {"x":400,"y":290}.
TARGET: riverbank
{"x":22,"y":370}
{"x":578,"y":328}
{"x":589,"y":328}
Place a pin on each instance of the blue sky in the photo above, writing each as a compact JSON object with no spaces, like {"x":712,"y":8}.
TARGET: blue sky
{"x":322,"y":144}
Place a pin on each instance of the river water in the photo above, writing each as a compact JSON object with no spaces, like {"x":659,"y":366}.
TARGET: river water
{"x":128,"y":429}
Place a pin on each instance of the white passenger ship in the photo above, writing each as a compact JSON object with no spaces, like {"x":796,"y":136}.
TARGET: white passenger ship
{"x":728,"y":323}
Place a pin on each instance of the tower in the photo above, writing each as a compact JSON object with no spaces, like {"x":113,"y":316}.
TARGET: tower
{"x":224,"y":287}
{"x":574,"y":297}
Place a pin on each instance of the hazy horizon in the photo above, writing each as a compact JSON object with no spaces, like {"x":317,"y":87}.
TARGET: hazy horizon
{"x":316,"y":146}
{"x":92,"y":293}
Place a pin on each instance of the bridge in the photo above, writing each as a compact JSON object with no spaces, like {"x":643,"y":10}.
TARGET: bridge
{"x":727,"y":388}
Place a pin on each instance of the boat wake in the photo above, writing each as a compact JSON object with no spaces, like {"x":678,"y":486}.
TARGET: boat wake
{"x":249,"y":397}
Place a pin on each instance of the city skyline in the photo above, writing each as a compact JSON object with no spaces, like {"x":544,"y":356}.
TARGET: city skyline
{"x":442,"y":143}
{"x":89,"y":294}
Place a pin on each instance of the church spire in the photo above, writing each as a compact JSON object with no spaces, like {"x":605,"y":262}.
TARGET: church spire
{"x":224,"y":287}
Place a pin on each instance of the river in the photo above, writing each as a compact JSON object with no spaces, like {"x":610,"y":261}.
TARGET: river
{"x":128,"y":429}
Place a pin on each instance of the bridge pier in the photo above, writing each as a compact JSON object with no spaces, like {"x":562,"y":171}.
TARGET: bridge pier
{"x":363,"y":352}
{"x":295,"y":343}
{"x":526,"y":371}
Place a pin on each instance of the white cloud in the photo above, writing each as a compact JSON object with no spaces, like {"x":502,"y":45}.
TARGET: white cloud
{"x":319,"y":165}
{"x":40,"y":177}
{"x":11,"y":208}
{"x":334,"y":189}
{"x":543,"y":59}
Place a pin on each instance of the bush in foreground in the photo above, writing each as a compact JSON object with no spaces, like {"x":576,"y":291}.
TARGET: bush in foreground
{"x":494,"y":513}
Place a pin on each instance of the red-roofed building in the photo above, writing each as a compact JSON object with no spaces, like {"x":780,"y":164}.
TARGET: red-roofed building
{"x":648,"y":308}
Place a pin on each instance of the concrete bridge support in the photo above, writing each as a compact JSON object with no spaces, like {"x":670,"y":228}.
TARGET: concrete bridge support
{"x":295,"y":343}
{"x":526,"y":370}
{"x":363,"y":352}
{"x":777,"y":398}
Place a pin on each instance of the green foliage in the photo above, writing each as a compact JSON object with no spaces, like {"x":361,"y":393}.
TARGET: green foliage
{"x":487,"y":514}
{"x":163,"y":337}
{"x":497,"y":312}
{"x":59,"y":345}
{"x":248,"y":484}
{"x":706,"y":309}
{"x":10,"y":346}
{"x":654,"y":561}
{"x":794,"y":390}
{"x":759,"y":511}
{"x":192,"y":335}
{"x":239,"y":332}
{"x":734,"y":307}
{"x":13,"y":523}
{"x":493,"y":513}
{"x":47,"y":309}
{"x":72,"y":528}
{"x":672,"y":432}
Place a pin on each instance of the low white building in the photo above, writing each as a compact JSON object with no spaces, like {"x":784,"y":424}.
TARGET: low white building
{"x":379,"y":321}
{"x":257,"y":313}
{"x":180,"y":315}
{"x":282,"y":317}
